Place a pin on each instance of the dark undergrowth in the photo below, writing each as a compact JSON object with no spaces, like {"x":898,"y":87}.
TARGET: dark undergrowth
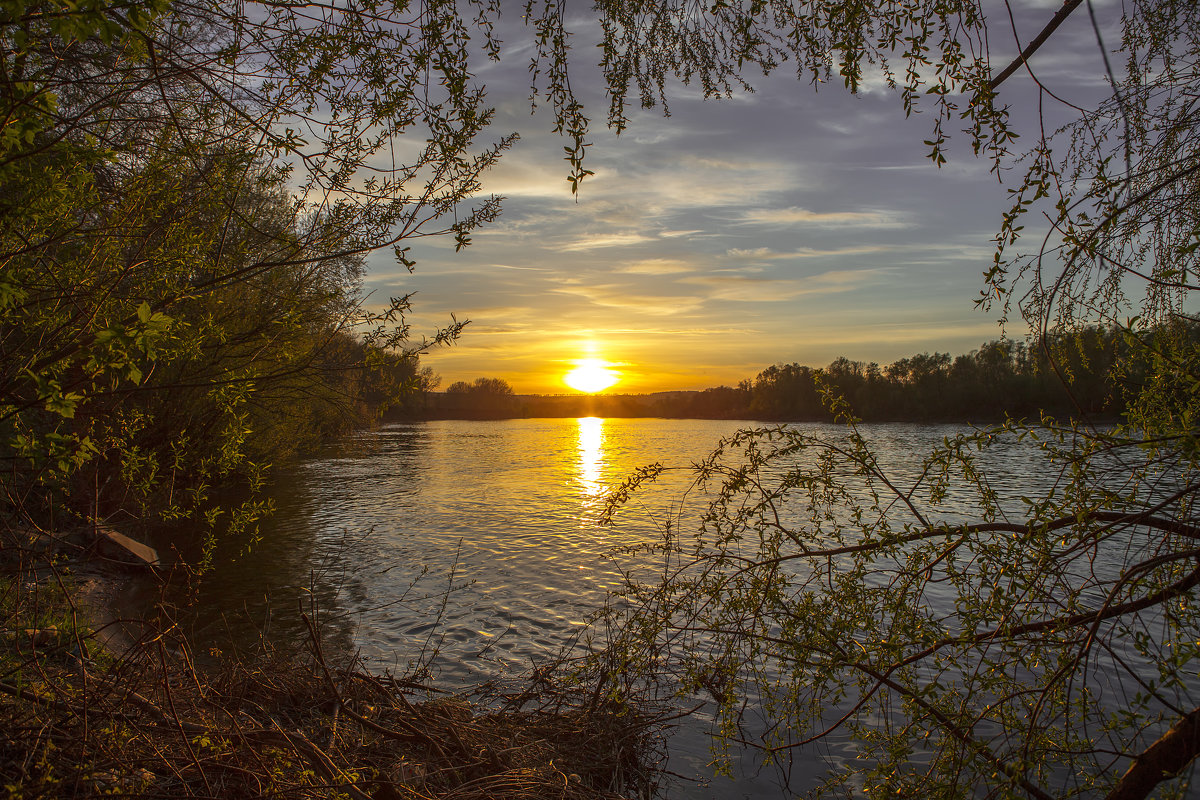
{"x":86,"y":711}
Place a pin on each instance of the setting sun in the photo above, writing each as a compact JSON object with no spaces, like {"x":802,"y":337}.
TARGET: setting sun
{"x":590,"y":376}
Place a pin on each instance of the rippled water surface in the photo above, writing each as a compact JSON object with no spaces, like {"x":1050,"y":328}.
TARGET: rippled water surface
{"x":504,"y":515}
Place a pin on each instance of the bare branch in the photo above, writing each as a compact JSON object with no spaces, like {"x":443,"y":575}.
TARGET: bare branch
{"x":1038,"y":41}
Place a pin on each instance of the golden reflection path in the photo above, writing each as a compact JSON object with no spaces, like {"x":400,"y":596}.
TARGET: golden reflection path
{"x":591,"y":455}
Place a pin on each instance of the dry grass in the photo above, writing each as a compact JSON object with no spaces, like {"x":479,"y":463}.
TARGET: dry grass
{"x":77,"y":722}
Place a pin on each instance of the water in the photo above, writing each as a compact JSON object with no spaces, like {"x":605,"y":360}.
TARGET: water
{"x":476,"y":543}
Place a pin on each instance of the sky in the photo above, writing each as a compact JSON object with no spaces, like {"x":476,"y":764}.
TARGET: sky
{"x":788,"y":225}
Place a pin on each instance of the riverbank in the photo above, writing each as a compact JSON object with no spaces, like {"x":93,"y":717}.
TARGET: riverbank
{"x":138,"y":712}
{"x":707,"y":406}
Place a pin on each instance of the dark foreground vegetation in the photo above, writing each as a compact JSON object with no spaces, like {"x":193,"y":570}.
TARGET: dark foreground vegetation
{"x":93,"y":706}
{"x":180,"y":302}
{"x":1093,"y":374}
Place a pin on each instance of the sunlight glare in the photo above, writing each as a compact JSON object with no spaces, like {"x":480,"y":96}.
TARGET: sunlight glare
{"x":591,"y":455}
{"x":591,"y":375}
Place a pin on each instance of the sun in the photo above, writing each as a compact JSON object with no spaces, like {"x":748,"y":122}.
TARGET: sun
{"x":591,"y":375}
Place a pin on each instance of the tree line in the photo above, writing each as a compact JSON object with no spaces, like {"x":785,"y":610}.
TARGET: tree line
{"x":1090,"y":373}
{"x":1072,"y":376}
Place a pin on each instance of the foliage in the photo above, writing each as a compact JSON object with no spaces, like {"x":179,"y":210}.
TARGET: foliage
{"x":934,"y":54}
{"x":187,"y":194}
{"x":487,"y":398}
{"x":1019,"y":653}
{"x":481,"y":386}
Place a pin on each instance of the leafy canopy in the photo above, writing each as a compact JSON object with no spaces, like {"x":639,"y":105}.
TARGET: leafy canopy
{"x":187,"y":194}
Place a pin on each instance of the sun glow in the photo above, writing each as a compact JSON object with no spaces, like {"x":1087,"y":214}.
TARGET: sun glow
{"x":591,"y":455}
{"x":591,"y":375}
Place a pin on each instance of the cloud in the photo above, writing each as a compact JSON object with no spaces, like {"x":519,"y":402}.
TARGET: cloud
{"x":515,"y":176}
{"x":690,"y":182}
{"x":892,"y":333}
{"x":513,"y":266}
{"x":767,"y":254}
{"x":794,"y":216}
{"x":618,"y":296}
{"x":745,"y":288}
{"x":655,"y":266}
{"x":852,"y":250}
{"x":873,"y":80}
{"x":591,"y":241}
{"x":846,"y":277}
{"x":753,"y":252}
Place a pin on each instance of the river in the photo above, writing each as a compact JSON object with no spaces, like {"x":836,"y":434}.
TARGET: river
{"x":476,"y":543}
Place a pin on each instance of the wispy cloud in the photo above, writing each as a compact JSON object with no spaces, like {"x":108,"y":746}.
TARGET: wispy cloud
{"x":655,"y":266}
{"x":892,"y":333}
{"x":514,"y":266}
{"x":794,"y":216}
{"x":593,"y":241}
{"x":750,"y":252}
{"x":767,"y":254}
{"x":853,"y":250}
{"x":618,"y":296}
{"x":753,"y":289}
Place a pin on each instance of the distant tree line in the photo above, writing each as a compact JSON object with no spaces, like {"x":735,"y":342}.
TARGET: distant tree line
{"x":1092,"y":373}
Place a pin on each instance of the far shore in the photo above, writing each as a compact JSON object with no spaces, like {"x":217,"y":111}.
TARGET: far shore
{"x":659,"y":405}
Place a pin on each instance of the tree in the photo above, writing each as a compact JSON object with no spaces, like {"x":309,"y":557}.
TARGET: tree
{"x":809,"y":582}
{"x":485,"y":397}
{"x":187,"y":191}
{"x":482,"y":386}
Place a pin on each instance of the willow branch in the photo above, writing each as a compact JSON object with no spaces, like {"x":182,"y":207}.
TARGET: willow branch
{"x":1038,"y":41}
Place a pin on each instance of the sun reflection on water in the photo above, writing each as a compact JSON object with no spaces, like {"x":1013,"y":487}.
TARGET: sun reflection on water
{"x":591,"y":455}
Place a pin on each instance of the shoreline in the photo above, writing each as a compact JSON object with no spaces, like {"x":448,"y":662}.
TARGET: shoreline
{"x":485,"y":416}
